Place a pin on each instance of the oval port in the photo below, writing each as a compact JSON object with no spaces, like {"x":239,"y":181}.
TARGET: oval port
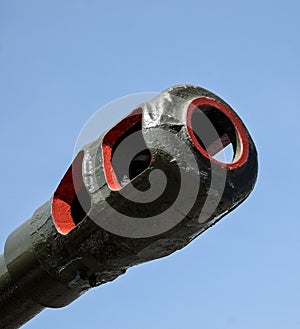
{"x":125,"y":154}
{"x":71,"y":201}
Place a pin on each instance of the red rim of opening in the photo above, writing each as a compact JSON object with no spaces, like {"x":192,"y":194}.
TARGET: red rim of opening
{"x":65,"y":195}
{"x":241,"y":133}
{"x":110,"y":139}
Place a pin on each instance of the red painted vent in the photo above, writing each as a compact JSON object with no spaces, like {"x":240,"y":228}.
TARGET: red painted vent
{"x":125,"y":154}
{"x":71,"y":201}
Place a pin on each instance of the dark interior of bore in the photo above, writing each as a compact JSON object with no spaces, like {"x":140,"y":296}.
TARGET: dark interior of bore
{"x":81,"y":205}
{"x":220,"y":127}
{"x":140,"y":161}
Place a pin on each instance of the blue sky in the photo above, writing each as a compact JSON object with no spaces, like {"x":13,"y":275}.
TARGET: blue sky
{"x":62,"y":60}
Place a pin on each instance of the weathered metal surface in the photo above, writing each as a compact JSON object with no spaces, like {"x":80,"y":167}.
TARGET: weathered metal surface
{"x":64,"y":250}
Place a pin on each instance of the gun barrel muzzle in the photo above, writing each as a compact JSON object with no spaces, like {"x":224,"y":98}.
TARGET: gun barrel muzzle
{"x":144,"y":189}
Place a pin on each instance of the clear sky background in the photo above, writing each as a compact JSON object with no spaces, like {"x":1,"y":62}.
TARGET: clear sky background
{"x":62,"y":60}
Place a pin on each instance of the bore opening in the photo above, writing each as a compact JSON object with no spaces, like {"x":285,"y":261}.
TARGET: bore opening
{"x":214,"y":132}
{"x":71,"y":201}
{"x":217,"y":132}
{"x":125,"y":154}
